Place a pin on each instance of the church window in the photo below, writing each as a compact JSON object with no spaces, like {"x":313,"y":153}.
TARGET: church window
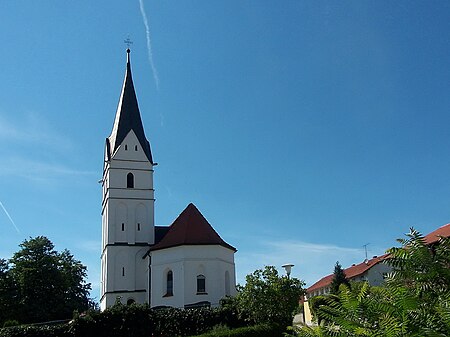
{"x":123,"y":226}
{"x":138,"y":226}
{"x":130,"y":180}
{"x":130,"y":301}
{"x":201,"y":284}
{"x":227,"y":283}
{"x":126,"y":147}
{"x":169,"y":284}
{"x":123,"y":271}
{"x":135,"y":148}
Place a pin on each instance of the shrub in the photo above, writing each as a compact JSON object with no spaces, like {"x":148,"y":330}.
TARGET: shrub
{"x":261,"y":330}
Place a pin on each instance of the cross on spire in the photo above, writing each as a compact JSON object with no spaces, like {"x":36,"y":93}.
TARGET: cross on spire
{"x":128,"y":42}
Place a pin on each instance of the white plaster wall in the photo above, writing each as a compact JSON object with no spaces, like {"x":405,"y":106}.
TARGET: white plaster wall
{"x":375,"y":274}
{"x":134,"y":207}
{"x":186,"y":262}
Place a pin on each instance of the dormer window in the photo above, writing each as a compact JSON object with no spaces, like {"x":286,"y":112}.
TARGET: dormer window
{"x":130,"y":180}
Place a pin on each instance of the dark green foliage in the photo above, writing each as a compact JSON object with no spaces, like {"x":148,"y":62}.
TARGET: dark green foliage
{"x":268,"y":297}
{"x":262,"y":330}
{"x":39,"y":284}
{"x":338,"y":279}
{"x":36,"y":331}
{"x":415,"y":301}
{"x":134,"y":321}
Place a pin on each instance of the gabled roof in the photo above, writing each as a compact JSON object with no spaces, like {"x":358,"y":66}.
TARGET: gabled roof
{"x":434,"y":236}
{"x":127,"y":118}
{"x":351,"y":272}
{"x":190,"y":228}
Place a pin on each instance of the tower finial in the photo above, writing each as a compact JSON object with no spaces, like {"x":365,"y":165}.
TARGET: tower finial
{"x":128,"y":42}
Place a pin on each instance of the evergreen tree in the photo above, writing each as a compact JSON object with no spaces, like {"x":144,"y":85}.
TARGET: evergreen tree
{"x":338,"y":279}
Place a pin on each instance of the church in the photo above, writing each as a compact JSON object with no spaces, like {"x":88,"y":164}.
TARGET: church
{"x":184,"y":265}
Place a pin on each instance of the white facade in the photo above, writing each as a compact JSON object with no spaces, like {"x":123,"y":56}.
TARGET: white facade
{"x":133,"y":267}
{"x":213,"y":263}
{"x":127,"y":223}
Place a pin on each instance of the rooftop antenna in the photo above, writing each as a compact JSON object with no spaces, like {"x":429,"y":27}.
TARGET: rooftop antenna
{"x":128,"y":42}
{"x":365,"y":249}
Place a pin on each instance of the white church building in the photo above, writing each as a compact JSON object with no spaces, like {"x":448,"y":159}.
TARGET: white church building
{"x":186,"y":264}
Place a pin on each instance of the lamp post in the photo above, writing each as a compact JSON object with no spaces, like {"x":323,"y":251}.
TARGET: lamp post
{"x":288,"y":268}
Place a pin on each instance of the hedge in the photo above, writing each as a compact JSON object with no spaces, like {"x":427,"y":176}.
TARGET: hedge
{"x":263,"y":330}
{"x":133,"y":321}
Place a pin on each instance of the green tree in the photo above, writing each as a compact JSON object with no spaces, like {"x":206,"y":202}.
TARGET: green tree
{"x":415,"y":300}
{"x":8,"y":294}
{"x":50,"y":285}
{"x":338,"y":279}
{"x":268,"y":297}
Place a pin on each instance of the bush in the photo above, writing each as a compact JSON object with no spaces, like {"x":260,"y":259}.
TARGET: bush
{"x":261,"y":330}
{"x":36,"y":331}
{"x":134,"y":321}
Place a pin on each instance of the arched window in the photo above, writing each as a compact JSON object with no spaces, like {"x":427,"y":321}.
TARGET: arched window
{"x":135,"y":148}
{"x":130,"y":301}
{"x":201,"y":284}
{"x":130,"y":180}
{"x":169,"y":284}
{"x":126,"y":147}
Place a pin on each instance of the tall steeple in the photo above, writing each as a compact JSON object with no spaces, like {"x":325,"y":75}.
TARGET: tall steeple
{"x":127,"y":118}
{"x":127,"y":204}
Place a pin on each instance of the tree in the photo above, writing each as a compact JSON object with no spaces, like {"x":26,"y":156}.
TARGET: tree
{"x":49,"y":285}
{"x":338,"y":279}
{"x":8,"y":294}
{"x":415,"y":300}
{"x":268,"y":297}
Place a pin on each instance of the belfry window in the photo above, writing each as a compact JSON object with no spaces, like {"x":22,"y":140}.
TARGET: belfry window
{"x":139,"y":226}
{"x":123,"y":227}
{"x":169,"y":284}
{"x":130,"y":180}
{"x":201,"y":284}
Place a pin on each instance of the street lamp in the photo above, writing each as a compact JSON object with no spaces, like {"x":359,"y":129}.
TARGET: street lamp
{"x":288,"y":267}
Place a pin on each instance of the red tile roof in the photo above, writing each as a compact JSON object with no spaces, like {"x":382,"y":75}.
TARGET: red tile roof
{"x":190,"y":228}
{"x":351,"y":272}
{"x":434,"y":236}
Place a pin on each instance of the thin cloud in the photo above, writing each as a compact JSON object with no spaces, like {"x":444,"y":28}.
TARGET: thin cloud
{"x":312,"y":260}
{"x":90,"y":246}
{"x":10,"y":218}
{"x":37,"y":170}
{"x":149,"y":43}
{"x":32,"y":129}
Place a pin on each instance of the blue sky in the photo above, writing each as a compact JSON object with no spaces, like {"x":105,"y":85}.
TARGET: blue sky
{"x":301,"y":129}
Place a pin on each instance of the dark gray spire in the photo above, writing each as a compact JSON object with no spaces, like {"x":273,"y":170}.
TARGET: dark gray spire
{"x":128,"y":117}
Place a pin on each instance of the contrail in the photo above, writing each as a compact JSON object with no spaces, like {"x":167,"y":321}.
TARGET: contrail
{"x":9,"y":216}
{"x":149,"y":44}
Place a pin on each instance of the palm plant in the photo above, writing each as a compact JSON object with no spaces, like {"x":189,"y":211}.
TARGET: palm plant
{"x":415,"y":300}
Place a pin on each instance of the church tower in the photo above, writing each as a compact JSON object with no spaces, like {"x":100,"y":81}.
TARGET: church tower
{"x":127,"y":204}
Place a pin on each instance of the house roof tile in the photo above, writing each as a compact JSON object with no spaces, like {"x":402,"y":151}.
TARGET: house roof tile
{"x":190,"y":228}
{"x":350,"y":272}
